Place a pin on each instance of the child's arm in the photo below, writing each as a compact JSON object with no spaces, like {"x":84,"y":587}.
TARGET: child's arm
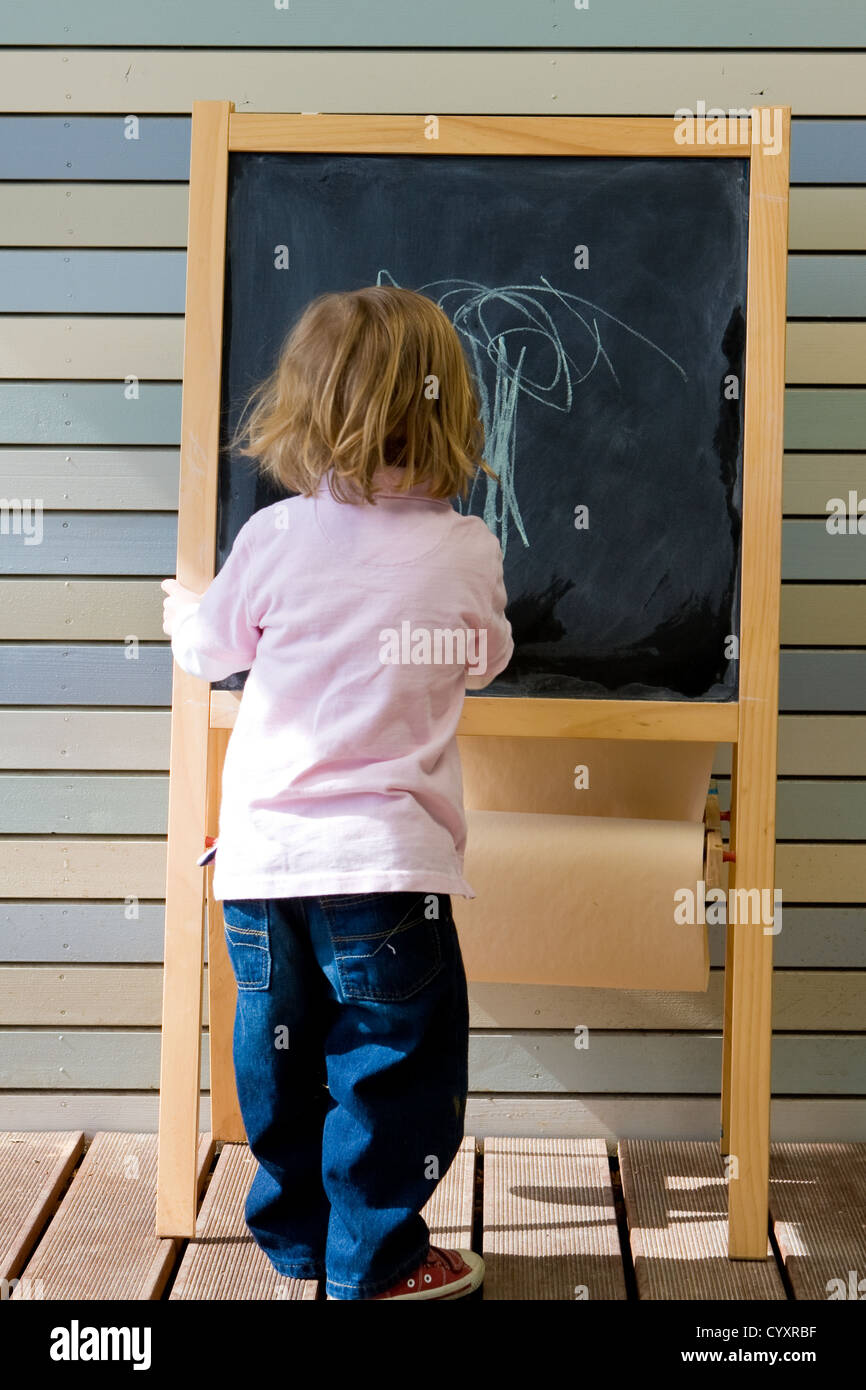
{"x":494,"y":649}
{"x":213,"y":635}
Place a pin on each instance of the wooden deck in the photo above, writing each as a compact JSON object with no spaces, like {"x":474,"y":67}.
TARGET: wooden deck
{"x":555,"y":1219}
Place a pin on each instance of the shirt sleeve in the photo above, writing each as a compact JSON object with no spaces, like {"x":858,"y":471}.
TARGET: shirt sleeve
{"x":216,"y":636}
{"x":495,"y":643}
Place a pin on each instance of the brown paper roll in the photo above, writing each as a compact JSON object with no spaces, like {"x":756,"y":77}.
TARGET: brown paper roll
{"x":627,"y":777}
{"x":589,"y":900}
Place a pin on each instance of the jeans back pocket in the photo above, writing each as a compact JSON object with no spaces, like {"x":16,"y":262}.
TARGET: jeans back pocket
{"x":387,"y":946}
{"x":248,"y":941}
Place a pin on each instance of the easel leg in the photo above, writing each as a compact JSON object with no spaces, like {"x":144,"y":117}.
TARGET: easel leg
{"x":226,"y":1121}
{"x":749,"y":1146}
{"x":725,"y":1133}
{"x":180,"y":1066}
{"x":190,"y":707}
{"x":753,"y":796}
{"x":746,"y":1076}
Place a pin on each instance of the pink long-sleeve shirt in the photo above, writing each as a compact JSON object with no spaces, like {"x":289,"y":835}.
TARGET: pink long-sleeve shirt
{"x":361,"y":627}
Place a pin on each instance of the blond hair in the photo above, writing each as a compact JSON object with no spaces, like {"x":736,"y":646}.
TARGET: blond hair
{"x":367,"y":379}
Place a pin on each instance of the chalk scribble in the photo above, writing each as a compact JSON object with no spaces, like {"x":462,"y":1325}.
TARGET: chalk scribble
{"x":469,"y":306}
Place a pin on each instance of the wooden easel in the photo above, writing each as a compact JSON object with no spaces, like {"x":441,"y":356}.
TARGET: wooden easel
{"x":202,"y":719}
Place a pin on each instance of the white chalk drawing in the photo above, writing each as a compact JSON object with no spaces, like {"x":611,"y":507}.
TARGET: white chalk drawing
{"x":467,"y":303}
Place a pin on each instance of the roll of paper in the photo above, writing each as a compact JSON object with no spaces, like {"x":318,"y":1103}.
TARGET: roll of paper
{"x":644,"y":778}
{"x":584,"y":900}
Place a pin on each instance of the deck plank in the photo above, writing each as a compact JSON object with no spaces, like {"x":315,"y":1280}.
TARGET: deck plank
{"x":550,"y":1230}
{"x":818,"y":1210}
{"x":676,"y":1200}
{"x":101,"y":1243}
{"x":34,"y":1169}
{"x":449,"y":1210}
{"x":223,"y":1261}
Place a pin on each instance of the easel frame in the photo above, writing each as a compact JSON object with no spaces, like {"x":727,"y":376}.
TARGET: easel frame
{"x":201,"y":718}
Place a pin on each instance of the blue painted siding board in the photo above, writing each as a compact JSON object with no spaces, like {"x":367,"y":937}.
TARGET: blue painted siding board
{"x":826,"y":287}
{"x":94,"y":147}
{"x":93,"y":282}
{"x":808,"y":809}
{"x":96,"y":674}
{"x":56,"y":803}
{"x":832,"y":938}
{"x":145,"y":543}
{"x":451,"y":23}
{"x":53,"y":674}
{"x":119,"y":543}
{"x":829,"y":151}
{"x":831,"y":680}
{"x":822,"y":418}
{"x":527,"y":1061}
{"x":539,"y":1060}
{"x":154,"y":282}
{"x":69,"y":148}
{"x":74,"y":412}
{"x":85,"y":413}
{"x":809,"y":551}
{"x":89,"y":931}
{"x":829,"y":938}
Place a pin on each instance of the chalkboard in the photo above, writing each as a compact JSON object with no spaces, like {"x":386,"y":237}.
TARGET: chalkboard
{"x":611,"y":380}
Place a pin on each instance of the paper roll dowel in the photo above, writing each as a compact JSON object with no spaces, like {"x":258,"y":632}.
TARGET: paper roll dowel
{"x":583,"y":900}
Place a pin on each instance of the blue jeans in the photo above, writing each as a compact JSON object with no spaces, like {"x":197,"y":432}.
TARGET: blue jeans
{"x":351,"y":1044}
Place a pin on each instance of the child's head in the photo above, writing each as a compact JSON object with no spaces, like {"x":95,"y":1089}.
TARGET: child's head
{"x":367,"y":378}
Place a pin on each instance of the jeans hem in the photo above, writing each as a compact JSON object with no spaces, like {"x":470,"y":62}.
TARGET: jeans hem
{"x":368,"y":1290}
{"x":297,"y":1271}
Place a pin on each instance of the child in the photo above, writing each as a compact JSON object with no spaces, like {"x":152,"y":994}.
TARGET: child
{"x":363,"y":607}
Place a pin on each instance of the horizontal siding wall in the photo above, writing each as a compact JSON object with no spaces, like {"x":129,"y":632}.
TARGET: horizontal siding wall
{"x":483,"y":23}
{"x":92,"y":278}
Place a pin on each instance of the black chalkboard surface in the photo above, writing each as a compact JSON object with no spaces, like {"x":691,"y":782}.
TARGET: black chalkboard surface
{"x":604,"y":388}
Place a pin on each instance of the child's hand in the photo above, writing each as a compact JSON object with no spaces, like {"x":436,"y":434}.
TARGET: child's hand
{"x":177,"y":598}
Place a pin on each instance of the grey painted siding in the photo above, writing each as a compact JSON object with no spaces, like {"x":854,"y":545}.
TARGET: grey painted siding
{"x":659,"y":1080}
{"x":481,"y":23}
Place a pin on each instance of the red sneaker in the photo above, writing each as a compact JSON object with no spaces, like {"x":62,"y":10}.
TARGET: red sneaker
{"x":442,"y":1274}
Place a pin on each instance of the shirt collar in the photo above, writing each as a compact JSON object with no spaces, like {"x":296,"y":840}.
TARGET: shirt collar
{"x":385,"y":481}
